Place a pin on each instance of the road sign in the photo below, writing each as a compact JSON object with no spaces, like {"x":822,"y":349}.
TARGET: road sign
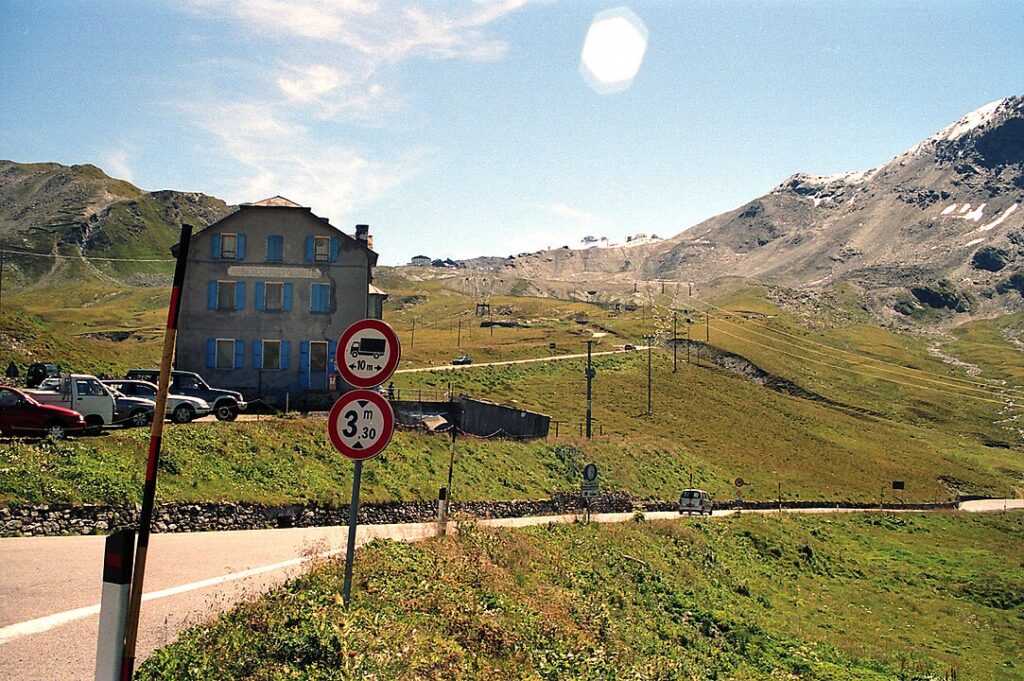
{"x":368,"y":353}
{"x":739,"y":482}
{"x":590,"y":472}
{"x":360,"y":424}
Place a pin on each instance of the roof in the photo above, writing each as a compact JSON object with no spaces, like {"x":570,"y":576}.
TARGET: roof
{"x":374,"y":291}
{"x":278,"y":201}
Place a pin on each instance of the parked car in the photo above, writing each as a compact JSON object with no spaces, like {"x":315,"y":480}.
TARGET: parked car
{"x":462,"y":359}
{"x":52,"y":383}
{"x":131,"y":412}
{"x":180,"y":408}
{"x":629,"y":346}
{"x":37,"y":373}
{"x":21,"y":414}
{"x":695,"y":501}
{"x":226,"y":403}
{"x":82,"y":393}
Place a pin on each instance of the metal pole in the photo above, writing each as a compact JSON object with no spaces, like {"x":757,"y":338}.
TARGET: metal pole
{"x":1,"y":279}
{"x":675,"y":336}
{"x":353,"y":515}
{"x":590,"y":378}
{"x":412,"y":341}
{"x":156,"y":434}
{"x":650,"y":339}
{"x":451,"y":460}
{"x":458,"y":343}
{"x":707,"y":328}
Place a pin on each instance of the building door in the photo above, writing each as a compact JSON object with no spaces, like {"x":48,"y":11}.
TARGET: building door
{"x":318,"y":365}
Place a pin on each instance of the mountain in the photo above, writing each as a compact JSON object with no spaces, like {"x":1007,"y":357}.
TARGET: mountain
{"x":80,"y":210}
{"x":939,"y":226}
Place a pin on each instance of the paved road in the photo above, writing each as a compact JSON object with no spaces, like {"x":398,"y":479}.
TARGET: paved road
{"x":51,"y":585}
{"x":553,"y":358}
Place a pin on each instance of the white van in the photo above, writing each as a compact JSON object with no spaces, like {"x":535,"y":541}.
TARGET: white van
{"x":695,"y":501}
{"x":84,"y":394}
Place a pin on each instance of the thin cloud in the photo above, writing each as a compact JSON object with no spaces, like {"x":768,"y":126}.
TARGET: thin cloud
{"x":575,"y":214}
{"x":115,"y":163}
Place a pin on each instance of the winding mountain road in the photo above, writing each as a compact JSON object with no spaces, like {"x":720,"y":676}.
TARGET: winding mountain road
{"x":49,"y":601}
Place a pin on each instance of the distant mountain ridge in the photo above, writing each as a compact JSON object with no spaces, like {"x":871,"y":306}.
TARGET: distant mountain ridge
{"x":919,"y":220}
{"x":49,"y":207}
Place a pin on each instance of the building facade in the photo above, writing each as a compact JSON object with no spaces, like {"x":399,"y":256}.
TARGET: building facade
{"x":268,"y":291}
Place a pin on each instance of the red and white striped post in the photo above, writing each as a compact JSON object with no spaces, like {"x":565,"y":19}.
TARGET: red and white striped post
{"x":156,"y":434}
{"x":117,"y":580}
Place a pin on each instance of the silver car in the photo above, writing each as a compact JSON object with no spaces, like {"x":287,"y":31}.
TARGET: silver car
{"x":695,"y":501}
{"x":180,"y":408}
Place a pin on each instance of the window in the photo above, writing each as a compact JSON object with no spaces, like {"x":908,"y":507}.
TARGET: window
{"x":317,"y":356}
{"x":321,"y":249}
{"x":228,"y":246}
{"x":271,"y":354}
{"x":89,"y":388}
{"x":225,"y":353}
{"x":275,"y":248}
{"x":9,"y":398}
{"x":320,"y":298}
{"x":225,"y":295}
{"x":274,"y":292}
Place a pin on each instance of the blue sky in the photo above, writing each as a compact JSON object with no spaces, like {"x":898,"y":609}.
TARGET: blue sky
{"x":458,"y":129}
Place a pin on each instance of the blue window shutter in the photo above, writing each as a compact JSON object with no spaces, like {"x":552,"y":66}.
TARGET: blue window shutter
{"x":257,"y":354}
{"x":211,"y":353}
{"x":286,"y":354}
{"x":240,"y":249}
{"x":332,"y":347}
{"x":239,"y":354}
{"x":287,"y":302}
{"x":275,"y":248}
{"x":239,"y":295}
{"x":211,"y":295}
{"x":309,"y":249}
{"x":334,"y":249}
{"x":304,"y":364}
{"x":261,"y":292}
{"x":215,"y":247}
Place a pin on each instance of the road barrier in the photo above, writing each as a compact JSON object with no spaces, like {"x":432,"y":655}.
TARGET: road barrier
{"x":118,"y":555}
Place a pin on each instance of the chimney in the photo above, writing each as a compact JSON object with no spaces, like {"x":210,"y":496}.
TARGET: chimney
{"x":363,"y":233}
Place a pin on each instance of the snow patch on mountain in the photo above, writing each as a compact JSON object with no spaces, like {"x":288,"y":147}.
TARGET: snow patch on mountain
{"x":999,"y":220}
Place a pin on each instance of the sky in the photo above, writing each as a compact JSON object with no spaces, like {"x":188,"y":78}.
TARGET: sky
{"x":466,"y":128}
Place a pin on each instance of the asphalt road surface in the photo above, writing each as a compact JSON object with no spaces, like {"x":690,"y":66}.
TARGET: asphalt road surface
{"x":531,"y":360}
{"x":49,"y":601}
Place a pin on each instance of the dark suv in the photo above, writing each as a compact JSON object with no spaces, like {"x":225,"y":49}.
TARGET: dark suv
{"x":37,"y":373}
{"x":226,"y":403}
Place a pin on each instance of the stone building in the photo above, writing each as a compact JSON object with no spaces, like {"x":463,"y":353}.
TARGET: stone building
{"x":268,"y":291}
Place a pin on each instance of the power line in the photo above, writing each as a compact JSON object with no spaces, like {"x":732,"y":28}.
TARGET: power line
{"x":872,"y":376}
{"x":17,"y":250}
{"x":984,"y":386}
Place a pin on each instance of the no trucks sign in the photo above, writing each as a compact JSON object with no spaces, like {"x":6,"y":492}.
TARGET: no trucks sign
{"x":368,"y":353}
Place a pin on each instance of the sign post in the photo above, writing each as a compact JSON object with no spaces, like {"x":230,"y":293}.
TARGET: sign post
{"x":361,"y":422}
{"x":589,"y":485}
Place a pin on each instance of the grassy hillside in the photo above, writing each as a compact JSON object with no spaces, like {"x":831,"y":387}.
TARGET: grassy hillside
{"x":861,"y":597}
{"x":283,"y":461}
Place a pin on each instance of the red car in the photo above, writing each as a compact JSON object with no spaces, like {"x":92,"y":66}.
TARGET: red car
{"x":20,"y":414}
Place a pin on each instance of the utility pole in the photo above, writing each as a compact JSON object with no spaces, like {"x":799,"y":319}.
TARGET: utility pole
{"x":649,"y":339}
{"x":688,"y":340}
{"x":1,"y":279}
{"x":458,"y":343}
{"x":675,"y":338}
{"x":412,"y":341}
{"x":707,"y":328}
{"x":590,"y":378}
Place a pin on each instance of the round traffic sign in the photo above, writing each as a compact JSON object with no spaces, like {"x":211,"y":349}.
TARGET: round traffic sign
{"x":360,"y":424}
{"x":368,"y":353}
{"x":739,"y":482}
{"x":590,"y":472}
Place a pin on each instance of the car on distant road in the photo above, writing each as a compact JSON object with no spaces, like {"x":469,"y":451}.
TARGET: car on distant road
{"x":20,"y":414}
{"x":180,"y":408}
{"x":462,"y":360}
{"x":695,"y":501}
{"x":629,"y":346}
{"x":225,"y":403}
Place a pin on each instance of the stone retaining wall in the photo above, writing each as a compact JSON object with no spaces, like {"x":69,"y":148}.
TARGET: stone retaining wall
{"x":62,"y":519}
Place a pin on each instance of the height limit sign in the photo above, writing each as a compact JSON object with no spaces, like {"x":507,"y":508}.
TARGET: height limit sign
{"x":361,"y":422}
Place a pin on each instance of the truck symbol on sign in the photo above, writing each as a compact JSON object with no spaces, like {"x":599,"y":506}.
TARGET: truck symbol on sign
{"x":372,"y":347}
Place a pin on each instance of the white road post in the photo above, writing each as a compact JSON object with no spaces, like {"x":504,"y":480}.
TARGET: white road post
{"x":118,"y":555}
